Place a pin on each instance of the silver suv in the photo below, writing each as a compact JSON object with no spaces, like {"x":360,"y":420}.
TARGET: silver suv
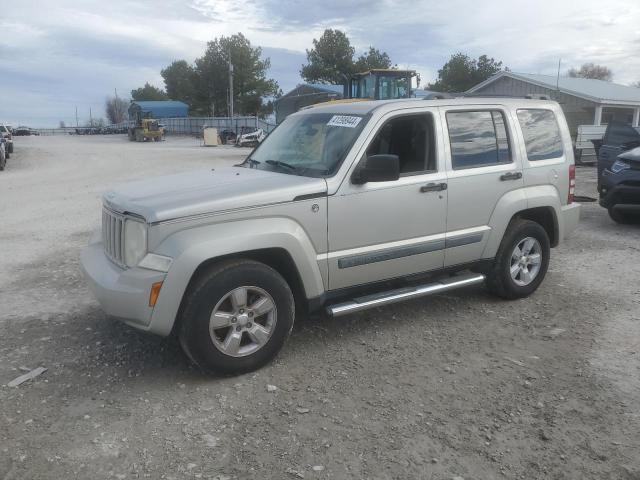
{"x":343,"y":207}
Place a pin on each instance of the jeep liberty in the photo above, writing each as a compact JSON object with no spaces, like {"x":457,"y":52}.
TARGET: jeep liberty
{"x":343,"y":207}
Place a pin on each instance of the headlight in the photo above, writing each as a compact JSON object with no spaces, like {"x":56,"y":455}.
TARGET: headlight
{"x":618,"y":166}
{"x":135,"y":242}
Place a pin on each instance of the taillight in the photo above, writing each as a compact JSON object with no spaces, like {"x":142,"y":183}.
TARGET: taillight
{"x":572,"y":183}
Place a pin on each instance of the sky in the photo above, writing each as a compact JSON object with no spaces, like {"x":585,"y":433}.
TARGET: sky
{"x":59,"y":55}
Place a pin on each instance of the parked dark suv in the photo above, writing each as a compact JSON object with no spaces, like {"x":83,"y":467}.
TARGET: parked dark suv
{"x":619,"y":172}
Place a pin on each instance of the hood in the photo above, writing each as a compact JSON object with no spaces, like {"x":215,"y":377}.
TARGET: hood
{"x":632,"y":155}
{"x":208,"y":191}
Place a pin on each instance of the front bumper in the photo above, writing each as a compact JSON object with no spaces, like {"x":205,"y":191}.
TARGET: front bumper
{"x":122,"y":293}
{"x":621,"y":188}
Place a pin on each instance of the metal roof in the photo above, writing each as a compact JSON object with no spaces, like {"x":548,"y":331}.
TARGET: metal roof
{"x":163,"y":108}
{"x":597,"y":91}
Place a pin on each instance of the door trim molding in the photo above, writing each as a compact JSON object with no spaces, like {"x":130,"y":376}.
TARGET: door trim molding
{"x":395,"y":252}
{"x":391,"y":254}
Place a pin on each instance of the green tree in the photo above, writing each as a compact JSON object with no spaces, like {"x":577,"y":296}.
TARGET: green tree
{"x":179,"y":81}
{"x":148,"y":92}
{"x":330,"y":58}
{"x":591,"y":70}
{"x":250,"y":82}
{"x":371,"y":59}
{"x":462,"y":72}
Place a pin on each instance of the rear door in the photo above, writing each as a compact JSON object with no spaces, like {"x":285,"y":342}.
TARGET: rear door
{"x":482,"y":166}
{"x":618,"y":138}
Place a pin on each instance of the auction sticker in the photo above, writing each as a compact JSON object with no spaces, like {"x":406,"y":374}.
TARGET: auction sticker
{"x":344,"y":121}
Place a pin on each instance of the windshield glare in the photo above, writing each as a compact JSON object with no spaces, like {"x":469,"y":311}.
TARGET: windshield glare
{"x":314,"y":144}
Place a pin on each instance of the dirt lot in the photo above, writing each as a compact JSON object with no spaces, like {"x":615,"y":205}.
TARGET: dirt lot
{"x":456,"y":386}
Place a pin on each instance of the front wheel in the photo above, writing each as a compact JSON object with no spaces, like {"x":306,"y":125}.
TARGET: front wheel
{"x":236,"y":317}
{"x":521,"y":262}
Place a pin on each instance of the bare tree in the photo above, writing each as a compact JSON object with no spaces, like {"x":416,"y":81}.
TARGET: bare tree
{"x":116,"y":109}
{"x":591,"y":70}
{"x":62,"y":124}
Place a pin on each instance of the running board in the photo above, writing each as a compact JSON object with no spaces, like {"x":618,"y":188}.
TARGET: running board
{"x":402,"y":294}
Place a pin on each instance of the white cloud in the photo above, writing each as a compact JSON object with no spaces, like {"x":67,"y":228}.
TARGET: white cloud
{"x":76,"y":52}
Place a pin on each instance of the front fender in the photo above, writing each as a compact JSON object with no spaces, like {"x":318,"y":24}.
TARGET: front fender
{"x":190,"y":248}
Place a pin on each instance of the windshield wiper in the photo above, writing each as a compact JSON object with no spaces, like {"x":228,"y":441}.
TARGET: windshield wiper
{"x":278,"y":163}
{"x":250,"y":161}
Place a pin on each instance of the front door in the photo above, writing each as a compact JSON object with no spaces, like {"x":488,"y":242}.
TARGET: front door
{"x":382,"y":230}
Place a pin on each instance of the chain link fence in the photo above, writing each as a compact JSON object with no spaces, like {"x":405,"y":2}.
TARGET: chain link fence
{"x":177,"y":126}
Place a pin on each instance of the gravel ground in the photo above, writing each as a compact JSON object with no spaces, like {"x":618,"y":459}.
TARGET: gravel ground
{"x":460,"y":385}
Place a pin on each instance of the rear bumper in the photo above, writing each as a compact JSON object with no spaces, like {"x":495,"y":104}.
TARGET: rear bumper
{"x":122,"y":293}
{"x":570,"y":218}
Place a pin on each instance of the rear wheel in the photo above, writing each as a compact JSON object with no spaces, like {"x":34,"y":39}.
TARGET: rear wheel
{"x":521,"y":262}
{"x":236,"y":317}
{"x":3,"y":159}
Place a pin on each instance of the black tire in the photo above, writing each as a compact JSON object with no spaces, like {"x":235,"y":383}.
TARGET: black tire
{"x":10,"y":148}
{"x":208,"y":290}
{"x":622,"y":217}
{"x":3,"y":161}
{"x":499,"y":280}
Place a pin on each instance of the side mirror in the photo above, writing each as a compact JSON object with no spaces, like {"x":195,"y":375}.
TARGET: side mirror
{"x":377,"y":168}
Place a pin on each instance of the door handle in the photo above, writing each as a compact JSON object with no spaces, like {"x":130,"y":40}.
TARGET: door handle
{"x":433,"y":187}
{"x":511,"y":176}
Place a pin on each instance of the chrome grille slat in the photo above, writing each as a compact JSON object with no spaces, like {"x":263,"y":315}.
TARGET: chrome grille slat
{"x":113,"y":236}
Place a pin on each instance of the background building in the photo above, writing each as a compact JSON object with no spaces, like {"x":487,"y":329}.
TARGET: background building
{"x":584,"y":101}
{"x":158,"y":109}
{"x":304,"y":95}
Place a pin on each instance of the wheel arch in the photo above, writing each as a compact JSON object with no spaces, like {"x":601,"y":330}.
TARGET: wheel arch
{"x":275,"y":257}
{"x":547,"y":218}
{"x":281,"y":244}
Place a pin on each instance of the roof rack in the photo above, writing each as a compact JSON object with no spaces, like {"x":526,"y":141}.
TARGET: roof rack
{"x":531,"y":96}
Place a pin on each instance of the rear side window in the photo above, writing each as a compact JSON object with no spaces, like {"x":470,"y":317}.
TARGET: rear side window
{"x":478,"y":139}
{"x":541,"y":134}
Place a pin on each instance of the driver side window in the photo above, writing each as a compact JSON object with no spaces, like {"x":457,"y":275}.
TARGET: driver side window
{"x":412,"y":139}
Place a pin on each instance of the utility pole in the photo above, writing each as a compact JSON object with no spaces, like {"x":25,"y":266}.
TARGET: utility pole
{"x":76,"y":117}
{"x":119,"y":115}
{"x":90,"y":118}
{"x":230,"y":85}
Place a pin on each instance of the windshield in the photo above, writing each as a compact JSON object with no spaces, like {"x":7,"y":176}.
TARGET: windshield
{"x":310,"y":144}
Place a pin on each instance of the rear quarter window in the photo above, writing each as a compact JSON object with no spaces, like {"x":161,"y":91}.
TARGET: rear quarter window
{"x":541,"y":134}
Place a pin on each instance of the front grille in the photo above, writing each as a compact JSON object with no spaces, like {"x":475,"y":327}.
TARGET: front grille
{"x":113,"y":236}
